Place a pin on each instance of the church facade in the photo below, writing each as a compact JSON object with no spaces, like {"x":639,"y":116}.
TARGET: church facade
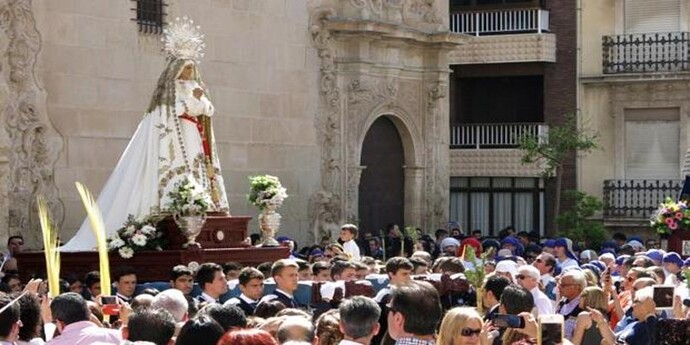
{"x":297,"y":86}
{"x":353,"y":104}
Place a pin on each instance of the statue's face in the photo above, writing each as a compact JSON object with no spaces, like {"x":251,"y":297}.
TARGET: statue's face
{"x":187,"y":72}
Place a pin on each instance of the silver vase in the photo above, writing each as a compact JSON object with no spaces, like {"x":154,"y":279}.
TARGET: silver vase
{"x":269,"y":222}
{"x":190,"y":227}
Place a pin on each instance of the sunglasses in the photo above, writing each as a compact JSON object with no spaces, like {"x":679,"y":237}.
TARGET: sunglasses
{"x":520,"y":277}
{"x":468,"y":332}
{"x":539,"y":260}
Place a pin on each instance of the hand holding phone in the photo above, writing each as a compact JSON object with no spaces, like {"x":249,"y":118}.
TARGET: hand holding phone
{"x":508,"y":321}
{"x":110,"y":305}
{"x":550,"y":330}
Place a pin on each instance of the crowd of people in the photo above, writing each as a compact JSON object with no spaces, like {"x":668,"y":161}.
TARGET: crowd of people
{"x":604,"y":297}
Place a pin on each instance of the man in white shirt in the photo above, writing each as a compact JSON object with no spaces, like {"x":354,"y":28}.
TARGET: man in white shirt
{"x":359,"y":318}
{"x":348,"y":233}
{"x":528,"y":277}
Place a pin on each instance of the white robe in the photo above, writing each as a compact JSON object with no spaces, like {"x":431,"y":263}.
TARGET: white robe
{"x":151,"y":165}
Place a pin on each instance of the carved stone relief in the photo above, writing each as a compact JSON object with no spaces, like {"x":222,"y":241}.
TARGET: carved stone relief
{"x":360,"y":86}
{"x":437,"y":154}
{"x":34,"y":145}
{"x":409,"y":12}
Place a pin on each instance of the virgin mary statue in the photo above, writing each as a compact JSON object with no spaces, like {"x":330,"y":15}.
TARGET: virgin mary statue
{"x":174,"y":141}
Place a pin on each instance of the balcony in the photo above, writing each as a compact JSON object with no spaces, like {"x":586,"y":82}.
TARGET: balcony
{"x":494,"y":135}
{"x":633,"y":201}
{"x":641,"y":53}
{"x":491,"y":22}
{"x":503,"y":36}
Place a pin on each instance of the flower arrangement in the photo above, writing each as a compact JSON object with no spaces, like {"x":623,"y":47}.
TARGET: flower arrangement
{"x":266,"y":190}
{"x":671,"y":216}
{"x":189,"y":198}
{"x":135,"y":236}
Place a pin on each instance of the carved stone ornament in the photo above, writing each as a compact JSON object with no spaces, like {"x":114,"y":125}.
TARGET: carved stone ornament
{"x":409,"y":12}
{"x":34,"y":144}
{"x":382,"y":72}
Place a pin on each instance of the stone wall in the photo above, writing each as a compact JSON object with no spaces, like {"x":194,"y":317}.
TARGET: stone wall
{"x":260,"y":68}
{"x":79,"y":76}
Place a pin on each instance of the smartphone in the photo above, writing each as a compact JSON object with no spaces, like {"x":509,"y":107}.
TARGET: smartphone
{"x":508,"y":321}
{"x":606,"y":275}
{"x":663,"y":296}
{"x":110,"y":305}
{"x":550,"y":330}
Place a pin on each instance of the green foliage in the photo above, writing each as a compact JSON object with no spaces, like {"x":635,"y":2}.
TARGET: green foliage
{"x":561,"y":140}
{"x":476,"y":275}
{"x":577,"y":224}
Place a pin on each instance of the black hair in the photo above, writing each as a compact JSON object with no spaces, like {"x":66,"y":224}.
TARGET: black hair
{"x":496,"y":284}
{"x":153,"y":325}
{"x":13,"y":237}
{"x":249,"y":273}
{"x":91,"y":278}
{"x":516,"y":299}
{"x":200,"y":330}
{"x":123,"y":271}
{"x":231,"y":266}
{"x":227,"y":315}
{"x":179,"y":271}
{"x":69,"y":308}
{"x":419,"y":303}
{"x":619,"y":236}
{"x":395,"y":263}
{"x":30,"y":315}
{"x":207,"y":273}
{"x":9,"y":316}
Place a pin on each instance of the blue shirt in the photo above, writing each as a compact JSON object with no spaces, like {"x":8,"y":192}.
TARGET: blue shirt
{"x":638,"y":333}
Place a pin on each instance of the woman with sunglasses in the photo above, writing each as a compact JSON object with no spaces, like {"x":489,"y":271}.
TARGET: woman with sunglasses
{"x":463,"y":326}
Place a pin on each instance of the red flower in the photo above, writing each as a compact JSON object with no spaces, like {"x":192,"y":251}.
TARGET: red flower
{"x":679,"y":215}
{"x":670,"y":221}
{"x":673,"y":226}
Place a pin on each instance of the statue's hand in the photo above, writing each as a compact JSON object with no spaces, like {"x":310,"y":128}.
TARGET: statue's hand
{"x":198,"y":92}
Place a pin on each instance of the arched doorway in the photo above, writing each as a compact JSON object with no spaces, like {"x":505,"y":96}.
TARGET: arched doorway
{"x":382,"y":184}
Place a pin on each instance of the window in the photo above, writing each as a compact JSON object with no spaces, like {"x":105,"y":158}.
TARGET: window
{"x":650,"y":16}
{"x":492,"y":203}
{"x":652,"y":143}
{"x":150,"y":16}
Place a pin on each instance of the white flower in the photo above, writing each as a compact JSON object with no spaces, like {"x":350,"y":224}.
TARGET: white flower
{"x":139,"y":240}
{"x":148,"y":230}
{"x":115,"y":242}
{"x":130,"y":230}
{"x":126,"y":252}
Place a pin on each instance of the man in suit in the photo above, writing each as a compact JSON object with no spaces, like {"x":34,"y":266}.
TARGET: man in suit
{"x":252,"y":286}
{"x":286,"y":275}
{"x":493,"y":288}
{"x":212,"y":281}
{"x":125,"y":280}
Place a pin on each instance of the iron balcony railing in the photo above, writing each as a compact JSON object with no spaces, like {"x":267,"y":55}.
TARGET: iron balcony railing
{"x":637,"y":53}
{"x":637,"y":199}
{"x":500,"y":21}
{"x":494,"y":135}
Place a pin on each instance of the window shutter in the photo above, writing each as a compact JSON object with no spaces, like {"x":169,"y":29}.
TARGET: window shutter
{"x":649,"y":16}
{"x":652,"y":149}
